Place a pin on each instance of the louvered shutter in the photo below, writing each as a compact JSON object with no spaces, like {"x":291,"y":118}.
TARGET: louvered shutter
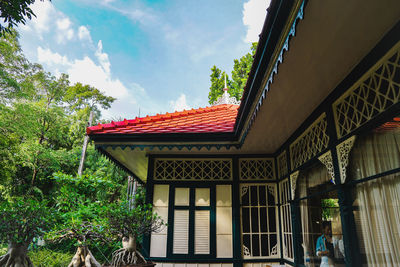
{"x":181,"y":232}
{"x":202,"y":232}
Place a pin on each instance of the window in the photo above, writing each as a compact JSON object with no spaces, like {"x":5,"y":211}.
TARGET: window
{"x":181,"y":221}
{"x":321,"y":228}
{"x":259,"y":221}
{"x":191,"y":221}
{"x":377,"y":201}
{"x":284,"y":192}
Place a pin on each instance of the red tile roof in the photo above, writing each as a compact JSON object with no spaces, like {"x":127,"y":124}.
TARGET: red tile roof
{"x":214,"y":119}
{"x":393,"y":125}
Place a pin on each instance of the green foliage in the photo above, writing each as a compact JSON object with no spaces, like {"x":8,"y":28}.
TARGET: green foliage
{"x":217,"y":79}
{"x":22,"y":219}
{"x":82,"y":203}
{"x":330,"y":207}
{"x":3,"y":249}
{"x":73,"y":190}
{"x":42,"y":121}
{"x":241,"y":69}
{"x":45,"y":257}
{"x":42,"y":125}
{"x":14,"y":12}
{"x":135,"y":221}
{"x":13,"y":67}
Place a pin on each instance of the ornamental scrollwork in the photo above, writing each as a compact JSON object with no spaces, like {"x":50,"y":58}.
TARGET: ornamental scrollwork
{"x":293,"y":181}
{"x":274,"y":250}
{"x":246,"y":251}
{"x":245,"y":189}
{"x":327,"y":160}
{"x":343,"y":152}
{"x":375,"y":92}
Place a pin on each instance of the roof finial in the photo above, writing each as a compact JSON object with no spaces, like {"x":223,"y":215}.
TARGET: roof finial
{"x":225,"y":98}
{"x":226,"y":87}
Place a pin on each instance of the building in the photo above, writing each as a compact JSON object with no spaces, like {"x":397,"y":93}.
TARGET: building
{"x":314,"y":141}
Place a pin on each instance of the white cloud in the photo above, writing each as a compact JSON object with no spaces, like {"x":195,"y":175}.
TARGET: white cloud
{"x":102,"y":57}
{"x":84,"y":34}
{"x":50,"y":58}
{"x":254,"y":13}
{"x":63,"y":23}
{"x":179,"y":104}
{"x":64,"y":30}
{"x":44,"y":11}
{"x":53,"y":22}
{"x":87,"y":72}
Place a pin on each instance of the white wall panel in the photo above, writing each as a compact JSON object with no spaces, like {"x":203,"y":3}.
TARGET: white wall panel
{"x":224,"y":246}
{"x":224,"y":196}
{"x":263,"y":264}
{"x":158,"y":245}
{"x":158,"y":241}
{"x":163,"y":213}
{"x":160,"y":264}
{"x":224,"y":220}
{"x":160,"y":195}
{"x":182,"y":197}
{"x":202,"y":197}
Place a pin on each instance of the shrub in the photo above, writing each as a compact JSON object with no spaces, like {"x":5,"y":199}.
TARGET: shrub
{"x":49,"y":258}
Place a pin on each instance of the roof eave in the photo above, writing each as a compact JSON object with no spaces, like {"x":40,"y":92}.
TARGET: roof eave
{"x":275,"y":22}
{"x":214,"y":137}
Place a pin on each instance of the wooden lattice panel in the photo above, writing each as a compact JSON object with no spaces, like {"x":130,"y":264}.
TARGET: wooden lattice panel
{"x":375,"y":92}
{"x":193,"y":169}
{"x":257,"y":169}
{"x":313,"y":141}
{"x":282,"y":165}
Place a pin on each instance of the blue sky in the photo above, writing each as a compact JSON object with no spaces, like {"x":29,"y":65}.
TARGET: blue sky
{"x":152,"y":55}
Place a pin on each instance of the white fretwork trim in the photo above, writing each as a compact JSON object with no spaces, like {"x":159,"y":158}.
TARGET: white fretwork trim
{"x":225,"y":98}
{"x":326,"y":159}
{"x":246,"y":251}
{"x":245,"y":188}
{"x":274,"y":250}
{"x":271,"y":190}
{"x":293,"y":181}
{"x":343,"y":152}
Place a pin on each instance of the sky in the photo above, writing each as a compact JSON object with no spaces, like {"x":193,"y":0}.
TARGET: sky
{"x":153,"y":56}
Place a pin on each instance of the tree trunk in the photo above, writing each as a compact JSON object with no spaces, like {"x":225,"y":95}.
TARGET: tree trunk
{"x":83,"y":258}
{"x":16,"y":256}
{"x":129,"y":243}
{"x":127,"y":255}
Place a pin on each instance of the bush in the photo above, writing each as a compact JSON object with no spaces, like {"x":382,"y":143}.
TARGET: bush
{"x":49,"y":258}
{"x":3,"y":249}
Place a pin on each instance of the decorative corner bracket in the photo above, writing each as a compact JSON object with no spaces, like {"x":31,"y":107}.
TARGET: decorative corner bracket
{"x":293,"y":181}
{"x":327,"y":160}
{"x":343,"y":151}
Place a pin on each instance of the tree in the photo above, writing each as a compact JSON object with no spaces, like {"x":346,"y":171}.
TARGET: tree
{"x":14,"y":12}
{"x":217,"y":79}
{"x":22,"y":219}
{"x":241,"y":69}
{"x":14,"y":67}
{"x":130,"y":224}
{"x":82,"y":226}
{"x":41,"y":123}
{"x":81,"y":100}
{"x":82,"y":201}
